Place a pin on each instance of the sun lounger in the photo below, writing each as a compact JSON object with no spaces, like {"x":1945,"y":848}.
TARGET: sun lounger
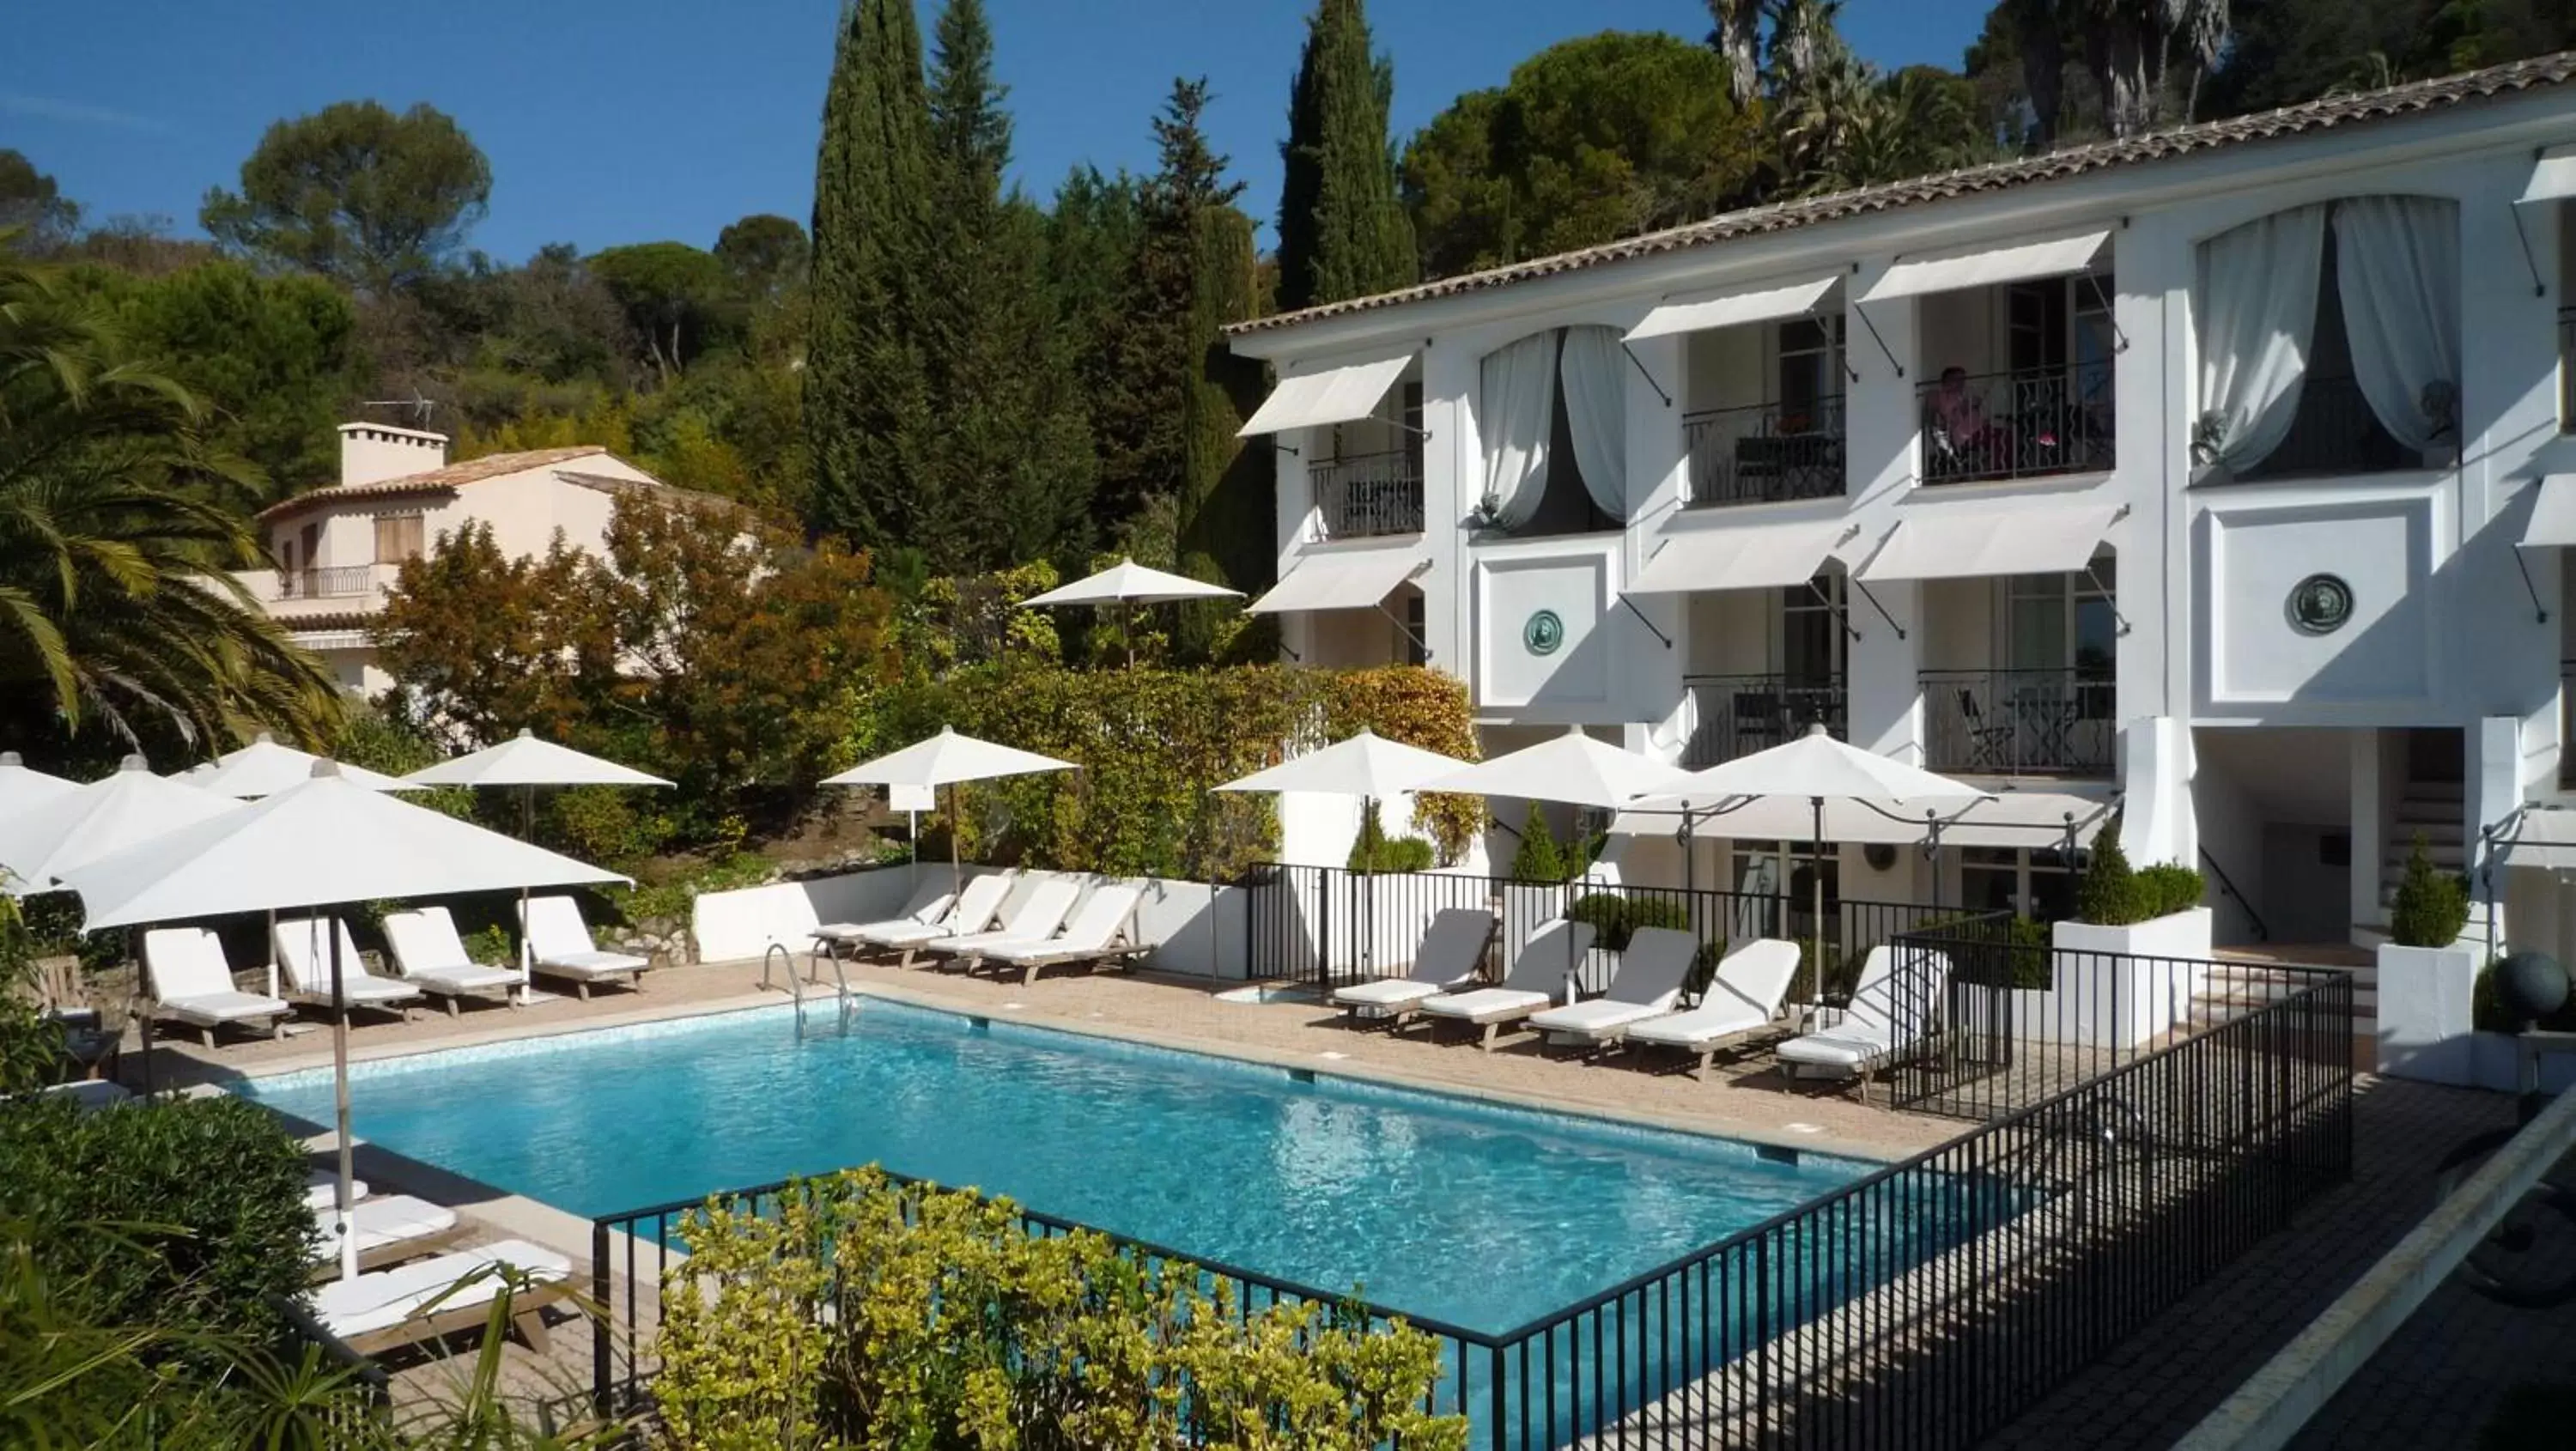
{"x":929,"y":903}
{"x":92,"y":1093}
{"x":190,"y":982}
{"x":318,"y":1185}
{"x":1033,"y":918}
{"x":1744,"y":996}
{"x":1101,"y":930}
{"x":430,"y":956}
{"x":1890,"y":1018}
{"x":1532,"y":984}
{"x":1452,"y":948}
{"x":971,"y":911}
{"x":1652,"y":971}
{"x":389,"y":1230}
{"x":382,"y":1309}
{"x":304,"y":956}
{"x":559,"y":945}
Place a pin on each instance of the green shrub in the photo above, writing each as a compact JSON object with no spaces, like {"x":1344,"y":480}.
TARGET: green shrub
{"x":1538,"y":859}
{"x":2166,"y":888}
{"x":872,"y":1315}
{"x":489,"y":944}
{"x":204,"y":1198}
{"x":2108,"y":895}
{"x":673,"y":896}
{"x":1375,"y":851}
{"x":604,"y":824}
{"x":1615,"y":918}
{"x":2430,"y":908}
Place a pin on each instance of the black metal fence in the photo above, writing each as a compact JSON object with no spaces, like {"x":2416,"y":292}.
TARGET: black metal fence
{"x":1766,"y":453}
{"x":1362,"y":495}
{"x":2019,"y":425}
{"x":1328,"y":927}
{"x":2020,"y":722}
{"x":1922,"y":1306}
{"x":1740,"y":714}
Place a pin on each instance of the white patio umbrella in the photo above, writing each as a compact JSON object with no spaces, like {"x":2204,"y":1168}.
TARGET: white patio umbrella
{"x":82,"y":823}
{"x":264,"y":768}
{"x":1819,"y":768}
{"x":945,"y":760}
{"x":1368,"y":766}
{"x":527,"y":762}
{"x":1127,"y":584}
{"x":23,"y":789}
{"x":325,"y":844}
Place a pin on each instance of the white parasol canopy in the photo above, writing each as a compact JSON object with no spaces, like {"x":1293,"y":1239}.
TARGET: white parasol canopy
{"x":84,"y":823}
{"x":947,"y":759}
{"x":1367,"y":765}
{"x":1130,"y":583}
{"x":264,"y":768}
{"x":326,"y":843}
{"x":524,"y":760}
{"x":1572,"y":768}
{"x":23,"y":789}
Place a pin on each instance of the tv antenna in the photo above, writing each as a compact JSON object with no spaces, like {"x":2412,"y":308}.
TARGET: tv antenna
{"x":418,"y":405}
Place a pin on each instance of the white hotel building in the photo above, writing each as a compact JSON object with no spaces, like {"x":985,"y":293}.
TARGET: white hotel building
{"x":2215,"y":475}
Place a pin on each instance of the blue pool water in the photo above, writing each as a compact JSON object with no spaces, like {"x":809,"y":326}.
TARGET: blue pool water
{"x":1441,"y":1207}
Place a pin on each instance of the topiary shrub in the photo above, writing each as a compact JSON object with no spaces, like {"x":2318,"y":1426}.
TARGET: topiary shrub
{"x":203,"y":1199}
{"x":2168,"y":887}
{"x":2108,"y":894}
{"x":1537,"y":859}
{"x":1615,"y":918}
{"x":2431,"y":908}
{"x":1375,"y":851}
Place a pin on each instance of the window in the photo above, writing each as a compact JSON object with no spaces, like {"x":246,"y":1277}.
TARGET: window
{"x":1811,"y":633}
{"x":1415,"y":652}
{"x":2038,"y":884}
{"x":398,"y":537}
{"x":1811,"y":373}
{"x":311,"y":553}
{"x":2063,"y":622}
{"x":286,"y":553}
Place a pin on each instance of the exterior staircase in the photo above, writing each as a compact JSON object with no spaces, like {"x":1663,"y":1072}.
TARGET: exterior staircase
{"x":2257,"y":977}
{"x":2433,"y":810}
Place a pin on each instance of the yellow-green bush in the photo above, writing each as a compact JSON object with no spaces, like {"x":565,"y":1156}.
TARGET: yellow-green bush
{"x":872,"y":1315}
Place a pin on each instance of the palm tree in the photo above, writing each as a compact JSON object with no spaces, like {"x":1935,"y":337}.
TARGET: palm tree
{"x":115,"y":535}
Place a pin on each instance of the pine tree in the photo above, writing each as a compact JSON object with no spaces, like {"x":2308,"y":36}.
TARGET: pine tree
{"x":1342,"y":231}
{"x":867,"y":404}
{"x":1010,"y":478}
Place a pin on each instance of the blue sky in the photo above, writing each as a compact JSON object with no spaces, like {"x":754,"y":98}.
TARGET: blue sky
{"x":648,"y":119}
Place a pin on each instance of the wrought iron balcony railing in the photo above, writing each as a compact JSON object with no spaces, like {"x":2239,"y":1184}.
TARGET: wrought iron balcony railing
{"x":2020,"y":722}
{"x":1766,"y":453}
{"x":1367,"y":494}
{"x":2022,"y":425}
{"x":1741,"y":714}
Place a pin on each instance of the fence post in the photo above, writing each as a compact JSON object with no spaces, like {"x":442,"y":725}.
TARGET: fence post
{"x":601,"y":1330}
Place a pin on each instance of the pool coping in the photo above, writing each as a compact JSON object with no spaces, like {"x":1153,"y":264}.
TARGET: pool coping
{"x":1824,"y":1143}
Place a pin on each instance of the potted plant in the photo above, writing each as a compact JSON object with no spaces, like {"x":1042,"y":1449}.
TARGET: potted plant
{"x":2428,"y":978}
{"x":2134,"y":932}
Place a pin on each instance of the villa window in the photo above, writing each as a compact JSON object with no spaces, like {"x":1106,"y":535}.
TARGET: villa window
{"x":1552,"y":410}
{"x":2039,"y":402}
{"x":1415,"y":623}
{"x":1369,"y":482}
{"x":2034,"y":883}
{"x":398,"y":537}
{"x":1752,"y":443}
{"x":2330,"y":340}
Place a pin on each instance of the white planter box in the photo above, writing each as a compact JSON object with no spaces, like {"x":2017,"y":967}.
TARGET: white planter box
{"x":2118,"y":986}
{"x":2425,"y":1023}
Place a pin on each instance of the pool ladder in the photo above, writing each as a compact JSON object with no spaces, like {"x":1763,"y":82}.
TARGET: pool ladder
{"x":796,"y":984}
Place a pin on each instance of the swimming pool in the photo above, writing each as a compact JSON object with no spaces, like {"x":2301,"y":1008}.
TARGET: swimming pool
{"x":1480,"y":1215}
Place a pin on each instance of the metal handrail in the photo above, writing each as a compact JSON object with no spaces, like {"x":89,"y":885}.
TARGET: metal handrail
{"x":2262,"y":929}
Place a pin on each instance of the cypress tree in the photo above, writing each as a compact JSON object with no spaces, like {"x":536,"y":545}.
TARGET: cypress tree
{"x":1342,"y":231}
{"x":866,"y":400}
{"x":1010,"y":478}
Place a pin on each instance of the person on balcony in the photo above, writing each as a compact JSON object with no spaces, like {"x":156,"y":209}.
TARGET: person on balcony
{"x":1968,"y":440}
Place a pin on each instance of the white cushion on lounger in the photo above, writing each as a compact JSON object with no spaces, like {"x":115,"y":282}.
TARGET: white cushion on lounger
{"x":1486,"y":1004}
{"x":1087,"y":933}
{"x":92,"y":1093}
{"x":558,"y":939}
{"x":428,"y":951}
{"x":1744,"y":994}
{"x":390,"y":1220}
{"x":971,"y":912}
{"x":1451,"y":947}
{"x":1835,"y":1048}
{"x":318,"y":1189}
{"x":1545,"y":960}
{"x":381,"y":1299}
{"x":1652,"y":969}
{"x":185,"y":968}
{"x":229,"y":1007}
{"x":929,"y":902}
{"x":304,"y":956}
{"x":1031,"y":919}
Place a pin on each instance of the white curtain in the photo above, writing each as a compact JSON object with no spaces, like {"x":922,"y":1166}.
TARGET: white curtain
{"x":1515,"y":403}
{"x":2257,"y":294}
{"x":1596,"y":414}
{"x":2397,"y":264}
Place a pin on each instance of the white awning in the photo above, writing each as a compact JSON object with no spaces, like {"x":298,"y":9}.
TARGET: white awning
{"x":1340,"y":581}
{"x":1987,"y":265}
{"x":2553,"y":177}
{"x":1957,"y":545}
{"x":2034,"y":820}
{"x":2553,"y":514}
{"x":1691,"y":312}
{"x":1774,"y":556}
{"x":1334,"y":395}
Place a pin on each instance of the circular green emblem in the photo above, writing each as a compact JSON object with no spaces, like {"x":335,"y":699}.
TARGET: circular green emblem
{"x":2320,"y":604}
{"x":1543,"y":633}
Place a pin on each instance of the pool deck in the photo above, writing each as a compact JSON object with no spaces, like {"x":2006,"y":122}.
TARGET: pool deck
{"x":1745,"y":1100}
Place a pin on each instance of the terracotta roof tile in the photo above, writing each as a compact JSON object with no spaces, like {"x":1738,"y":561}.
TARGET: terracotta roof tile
{"x":490,"y":466}
{"x":2333,"y":111}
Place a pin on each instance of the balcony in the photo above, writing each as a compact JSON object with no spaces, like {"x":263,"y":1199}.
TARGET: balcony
{"x":1768,"y":453}
{"x":2336,"y":433}
{"x":2019,"y":722}
{"x":2031,"y":424}
{"x":1741,"y":714}
{"x":1361,"y":495}
{"x":335,"y":582}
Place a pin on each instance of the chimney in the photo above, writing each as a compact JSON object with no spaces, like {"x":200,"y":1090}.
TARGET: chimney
{"x":373,"y":452}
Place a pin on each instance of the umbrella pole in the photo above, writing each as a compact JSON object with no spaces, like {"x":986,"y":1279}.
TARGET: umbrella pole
{"x":519,"y":932}
{"x":956,"y":869}
{"x":1368,"y":896}
{"x":272,"y":952}
{"x":1816,"y":891}
{"x":341,"y":1219}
